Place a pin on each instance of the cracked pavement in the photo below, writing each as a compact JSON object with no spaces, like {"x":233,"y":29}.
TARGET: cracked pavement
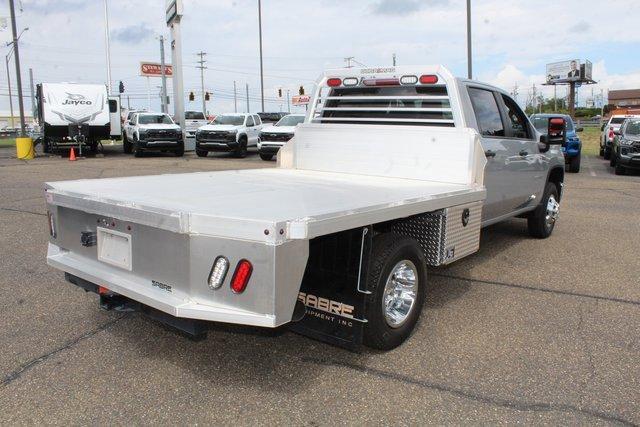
{"x":524,"y":331}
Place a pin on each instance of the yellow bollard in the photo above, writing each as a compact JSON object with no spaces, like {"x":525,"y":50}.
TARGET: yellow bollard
{"x":24,"y":148}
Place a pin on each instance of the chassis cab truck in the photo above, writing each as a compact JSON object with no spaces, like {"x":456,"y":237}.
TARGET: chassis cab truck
{"x":394,"y":171}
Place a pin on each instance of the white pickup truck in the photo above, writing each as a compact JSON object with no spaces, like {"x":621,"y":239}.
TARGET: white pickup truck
{"x":233,"y":133}
{"x":394,"y":170}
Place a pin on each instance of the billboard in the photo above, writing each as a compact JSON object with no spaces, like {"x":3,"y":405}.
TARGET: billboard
{"x":565,"y":71}
{"x":153,"y":69}
{"x":586,"y":69}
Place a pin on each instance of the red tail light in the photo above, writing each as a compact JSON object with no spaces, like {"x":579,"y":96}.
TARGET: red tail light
{"x":241,"y":276}
{"x":428,"y":79}
{"x":333,"y":82}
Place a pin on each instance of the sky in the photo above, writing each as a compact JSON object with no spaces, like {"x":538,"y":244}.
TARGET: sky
{"x":512,"y":42}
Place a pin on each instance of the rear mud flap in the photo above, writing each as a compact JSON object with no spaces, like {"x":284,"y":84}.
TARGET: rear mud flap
{"x":333,"y":293}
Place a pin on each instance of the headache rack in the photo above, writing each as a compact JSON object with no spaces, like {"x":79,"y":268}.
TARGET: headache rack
{"x":358,"y":100}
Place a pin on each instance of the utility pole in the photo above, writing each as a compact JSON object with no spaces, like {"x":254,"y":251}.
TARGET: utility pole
{"x":163,"y":72}
{"x":288,"y":101}
{"x":6,"y":59}
{"x":394,"y":59}
{"x":33,"y":95}
{"x":469,"y":61}
{"x":555,"y":100}
{"x":202,"y":67}
{"x":107,"y":45}
{"x":174,"y":16}
{"x":128,"y":102}
{"x":261,"y":71}
{"x":235,"y":98}
{"x":247,"y":87}
{"x":16,"y":52}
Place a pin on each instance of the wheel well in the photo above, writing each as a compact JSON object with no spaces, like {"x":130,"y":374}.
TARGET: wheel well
{"x":242,"y":137}
{"x":556,"y":176}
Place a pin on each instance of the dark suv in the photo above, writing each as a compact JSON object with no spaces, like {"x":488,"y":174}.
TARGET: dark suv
{"x":625,"y":148}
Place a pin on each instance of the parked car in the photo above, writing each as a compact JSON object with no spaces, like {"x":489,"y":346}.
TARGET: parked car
{"x":152,"y":132}
{"x":608,"y":133}
{"x":234,"y":132}
{"x":572,"y":148}
{"x":193,"y":120}
{"x":271,"y":117}
{"x":274,"y":137}
{"x":625,"y":150}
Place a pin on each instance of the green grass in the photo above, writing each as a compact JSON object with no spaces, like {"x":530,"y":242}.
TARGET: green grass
{"x":8,"y":142}
{"x":590,"y":140}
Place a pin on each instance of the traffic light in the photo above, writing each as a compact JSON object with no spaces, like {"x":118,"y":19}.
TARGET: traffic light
{"x":301,"y":90}
{"x":121,"y":87}
{"x":207,"y":96}
{"x":192,"y":96}
{"x":279,"y":93}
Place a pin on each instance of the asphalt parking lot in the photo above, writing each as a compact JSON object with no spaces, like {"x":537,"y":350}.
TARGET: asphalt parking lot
{"x":523,"y":331}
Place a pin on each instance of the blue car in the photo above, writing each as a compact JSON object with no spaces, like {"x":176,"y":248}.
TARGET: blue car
{"x":572,"y":148}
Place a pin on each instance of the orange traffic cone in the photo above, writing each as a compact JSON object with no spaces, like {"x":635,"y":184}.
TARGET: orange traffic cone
{"x":72,"y":155}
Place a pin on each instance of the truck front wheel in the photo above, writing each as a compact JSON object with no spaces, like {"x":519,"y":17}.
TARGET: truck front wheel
{"x":397,"y":280}
{"x":241,"y":151}
{"x":574,"y":164}
{"x":126,"y":145}
{"x":543,"y":219}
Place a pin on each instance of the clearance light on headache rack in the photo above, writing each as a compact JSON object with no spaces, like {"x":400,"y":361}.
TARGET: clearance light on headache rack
{"x":408,"y":80}
{"x":428,"y":79}
{"x":241,"y":276}
{"x":333,"y":82}
{"x":381,"y":82}
{"x":218,"y":272}
{"x":350,"y":81}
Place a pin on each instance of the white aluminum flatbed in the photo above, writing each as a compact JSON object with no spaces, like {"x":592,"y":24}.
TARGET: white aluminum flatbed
{"x":244,"y":204}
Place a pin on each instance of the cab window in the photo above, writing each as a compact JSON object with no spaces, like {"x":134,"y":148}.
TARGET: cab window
{"x":256,"y":119}
{"x":487,"y":113}
{"x":516,"y":119}
{"x":250,"y":121}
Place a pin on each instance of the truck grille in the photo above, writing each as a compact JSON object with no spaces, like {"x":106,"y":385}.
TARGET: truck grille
{"x":401,"y":105}
{"x":212,"y":135}
{"x":275,"y":137}
{"x":159,"y":135}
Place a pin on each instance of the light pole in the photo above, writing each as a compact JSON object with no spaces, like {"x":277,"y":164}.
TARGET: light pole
{"x":16,"y":52}
{"x":6,"y":61}
{"x":261,"y":75}
{"x":469,"y":62}
{"x":107,"y":44}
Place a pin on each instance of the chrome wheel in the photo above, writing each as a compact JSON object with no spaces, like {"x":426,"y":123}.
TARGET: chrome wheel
{"x":553,"y":210}
{"x":400,"y":293}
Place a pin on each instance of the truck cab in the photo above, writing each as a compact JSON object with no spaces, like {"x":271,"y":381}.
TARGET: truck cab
{"x":152,"y":132}
{"x":519,"y":164}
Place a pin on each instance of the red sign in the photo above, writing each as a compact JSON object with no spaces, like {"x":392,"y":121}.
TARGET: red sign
{"x":300,"y":99}
{"x":153,"y":69}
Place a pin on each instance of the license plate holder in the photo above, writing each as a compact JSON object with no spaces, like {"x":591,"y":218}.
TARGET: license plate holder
{"x":114,"y":247}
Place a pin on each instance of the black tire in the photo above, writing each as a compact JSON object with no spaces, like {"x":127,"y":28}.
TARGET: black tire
{"x":201,"y":153}
{"x":574,"y":164}
{"x":93,"y":147}
{"x":607,"y":153}
{"x":266,"y":157}
{"x":179,"y":152}
{"x":46,"y":146}
{"x":612,"y":160}
{"x":539,"y":226}
{"x":388,"y":251}
{"x":126,"y":145}
{"x":601,"y":152}
{"x":619,"y":169}
{"x":137,"y":152}
{"x":241,"y":151}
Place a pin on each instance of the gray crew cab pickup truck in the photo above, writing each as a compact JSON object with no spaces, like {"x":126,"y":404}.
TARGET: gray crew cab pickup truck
{"x":394,"y":170}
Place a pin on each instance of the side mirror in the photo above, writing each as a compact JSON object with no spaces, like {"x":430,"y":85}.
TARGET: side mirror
{"x":556,"y":133}
{"x":579,"y":129}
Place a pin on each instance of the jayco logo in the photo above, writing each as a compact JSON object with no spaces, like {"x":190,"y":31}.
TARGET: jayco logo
{"x":76,"y":99}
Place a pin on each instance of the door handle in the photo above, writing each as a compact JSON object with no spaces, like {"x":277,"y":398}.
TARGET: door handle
{"x":523,"y":153}
{"x":490,"y":153}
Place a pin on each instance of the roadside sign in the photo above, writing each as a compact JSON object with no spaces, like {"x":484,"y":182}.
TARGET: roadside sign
{"x":300,"y":99}
{"x":153,"y":69}
{"x":173,"y":10}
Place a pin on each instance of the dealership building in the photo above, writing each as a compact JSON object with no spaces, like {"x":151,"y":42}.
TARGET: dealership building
{"x":625,"y":98}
